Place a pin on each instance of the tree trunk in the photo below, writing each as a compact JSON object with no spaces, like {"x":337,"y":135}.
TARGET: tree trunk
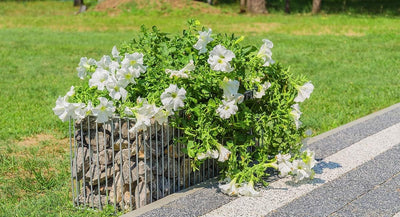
{"x":242,"y":6}
{"x":78,"y":3}
{"x":287,"y":7}
{"x":256,"y":6}
{"x":316,"y":6}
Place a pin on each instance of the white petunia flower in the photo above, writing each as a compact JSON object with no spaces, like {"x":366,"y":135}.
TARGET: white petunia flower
{"x":248,"y":190}
{"x":229,"y":188}
{"x":117,"y":90}
{"x":63,"y":109}
{"x":204,"y":39}
{"x":104,"y":110}
{"x":115,"y":53}
{"x":219,"y":59}
{"x":304,"y":92}
{"x":126,"y":77}
{"x":84,"y":66}
{"x":143,"y":115}
{"x":183,"y":73}
{"x":99,"y":78}
{"x":172,"y":98}
{"x":162,"y":115}
{"x":296,"y":113}
{"x":80,"y":111}
{"x":104,"y":62}
{"x":71,"y":92}
{"x":284,"y":164}
{"x":209,"y":154}
{"x":128,"y":111}
{"x":230,"y":88}
{"x":261,"y":91}
{"x":227,"y":109}
{"x":310,"y":159}
{"x":301,"y":170}
{"x":89,"y":108}
{"x":134,"y":63}
{"x":223,"y":153}
{"x":265,"y":52}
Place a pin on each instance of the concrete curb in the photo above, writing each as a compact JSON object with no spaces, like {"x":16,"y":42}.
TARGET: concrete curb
{"x":353,"y":123}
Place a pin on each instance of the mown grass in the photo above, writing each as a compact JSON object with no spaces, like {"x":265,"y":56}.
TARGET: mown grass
{"x":353,"y":61}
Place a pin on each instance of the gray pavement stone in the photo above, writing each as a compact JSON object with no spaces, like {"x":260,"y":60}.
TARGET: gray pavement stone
{"x":382,"y":201}
{"x":196,"y":204}
{"x":344,"y":138}
{"x":339,"y":193}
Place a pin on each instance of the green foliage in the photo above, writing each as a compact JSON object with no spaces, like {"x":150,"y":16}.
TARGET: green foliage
{"x":267,"y":120}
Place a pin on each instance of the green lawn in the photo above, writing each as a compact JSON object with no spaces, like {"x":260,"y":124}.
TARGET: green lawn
{"x":353,"y":61}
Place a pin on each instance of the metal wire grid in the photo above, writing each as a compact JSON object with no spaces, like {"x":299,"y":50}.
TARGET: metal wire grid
{"x":91,"y":190}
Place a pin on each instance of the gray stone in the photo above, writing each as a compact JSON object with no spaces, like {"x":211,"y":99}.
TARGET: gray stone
{"x":174,"y":151}
{"x":117,"y":189}
{"x":80,"y":163}
{"x":112,"y":127}
{"x":142,"y":194}
{"x":121,"y":144}
{"x":104,"y":157}
{"x":100,"y":139}
{"x":141,"y":171}
{"x":127,"y":154}
{"x":125,"y":130}
{"x":101,"y":174}
{"x":85,"y":125}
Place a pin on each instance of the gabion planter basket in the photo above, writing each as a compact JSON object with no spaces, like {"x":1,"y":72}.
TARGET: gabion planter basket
{"x":112,"y":166}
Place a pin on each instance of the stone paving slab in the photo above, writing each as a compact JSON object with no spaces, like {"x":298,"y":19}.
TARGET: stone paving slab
{"x":382,"y":201}
{"x":369,"y":190}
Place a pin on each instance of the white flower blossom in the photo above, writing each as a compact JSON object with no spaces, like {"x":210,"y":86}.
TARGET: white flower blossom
{"x":223,"y":153}
{"x":71,"y":92}
{"x":107,"y":64}
{"x":284,"y":164}
{"x":161,"y":115}
{"x":304,"y":92}
{"x":208,"y":154}
{"x":104,"y":62}
{"x":230,"y":88}
{"x":116,"y":90}
{"x":183,"y":73}
{"x":219,"y":59}
{"x":99,"y":78}
{"x":310,"y":159}
{"x":261,"y":91}
{"x":143,"y":115}
{"x":229,"y":188}
{"x":128,"y":111}
{"x":89,"y":108}
{"x":80,"y":111}
{"x":301,"y":170}
{"x":247,"y":189}
{"x":227,"y":109}
{"x":104,"y":110}
{"x":265,"y":52}
{"x":84,"y":66}
{"x":172,"y":98}
{"x":126,"y":76}
{"x":63,"y":109}
{"x":296,"y":113}
{"x":115,"y":53}
{"x":134,"y":62}
{"x":204,"y":39}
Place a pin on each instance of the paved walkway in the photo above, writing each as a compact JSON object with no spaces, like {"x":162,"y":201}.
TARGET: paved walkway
{"x":358,"y":174}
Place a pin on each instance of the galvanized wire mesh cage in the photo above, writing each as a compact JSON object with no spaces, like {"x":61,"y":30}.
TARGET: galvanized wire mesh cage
{"x":112,"y":166}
